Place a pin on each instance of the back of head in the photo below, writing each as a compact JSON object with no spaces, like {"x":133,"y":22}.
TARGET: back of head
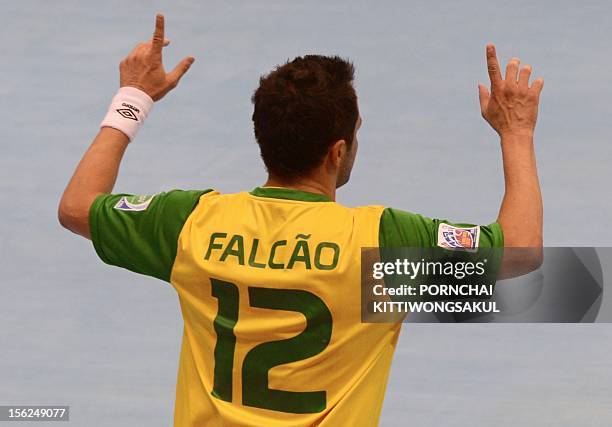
{"x":300,"y":109}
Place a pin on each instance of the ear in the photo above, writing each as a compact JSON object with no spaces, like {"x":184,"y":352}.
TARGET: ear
{"x":337,"y":152}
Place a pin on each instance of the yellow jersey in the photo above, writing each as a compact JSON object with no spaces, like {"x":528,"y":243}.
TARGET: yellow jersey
{"x":269,"y":284}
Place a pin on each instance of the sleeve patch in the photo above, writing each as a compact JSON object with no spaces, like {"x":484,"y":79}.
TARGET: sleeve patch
{"x":134,"y":203}
{"x":451,"y":237}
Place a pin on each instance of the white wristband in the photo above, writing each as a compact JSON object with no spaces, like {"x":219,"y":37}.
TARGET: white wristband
{"x":128,"y":111}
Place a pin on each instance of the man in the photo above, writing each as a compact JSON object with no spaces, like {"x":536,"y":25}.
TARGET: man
{"x":268,"y":280}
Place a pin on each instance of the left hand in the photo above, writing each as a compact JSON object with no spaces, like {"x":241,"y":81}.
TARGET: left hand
{"x":144,"y":70}
{"x":512,"y":106}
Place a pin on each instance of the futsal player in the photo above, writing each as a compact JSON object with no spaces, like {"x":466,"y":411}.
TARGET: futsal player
{"x":268,"y":279}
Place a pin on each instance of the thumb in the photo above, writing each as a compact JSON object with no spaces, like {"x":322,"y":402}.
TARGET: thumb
{"x":181,"y":68}
{"x":483,"y":96}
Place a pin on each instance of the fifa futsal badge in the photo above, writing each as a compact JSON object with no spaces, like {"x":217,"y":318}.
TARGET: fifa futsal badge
{"x":451,"y":237}
{"x":134,"y":203}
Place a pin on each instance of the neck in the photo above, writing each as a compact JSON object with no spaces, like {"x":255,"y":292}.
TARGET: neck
{"x":310,"y":185}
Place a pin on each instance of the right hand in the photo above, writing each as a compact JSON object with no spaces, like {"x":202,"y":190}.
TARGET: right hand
{"x":512,"y":106}
{"x":144,"y":70}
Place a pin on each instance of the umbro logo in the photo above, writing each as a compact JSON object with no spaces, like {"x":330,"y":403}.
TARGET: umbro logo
{"x":130,"y":106}
{"x":127,"y":113}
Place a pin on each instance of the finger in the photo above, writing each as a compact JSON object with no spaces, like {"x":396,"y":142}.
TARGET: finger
{"x":158,"y":35}
{"x":181,"y":68}
{"x":537,"y":86}
{"x":493,"y":67}
{"x":150,"y":43}
{"x":483,"y":97}
{"x":524,"y":74}
{"x":512,"y":70}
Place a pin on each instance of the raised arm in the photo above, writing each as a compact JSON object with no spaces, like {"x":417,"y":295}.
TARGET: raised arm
{"x":143,"y":81}
{"x":512,"y":110}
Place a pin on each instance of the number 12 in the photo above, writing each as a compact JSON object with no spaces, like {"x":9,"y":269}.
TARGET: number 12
{"x":263,"y":357}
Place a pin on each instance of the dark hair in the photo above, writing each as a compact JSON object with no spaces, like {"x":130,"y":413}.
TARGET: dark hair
{"x":300,"y":109}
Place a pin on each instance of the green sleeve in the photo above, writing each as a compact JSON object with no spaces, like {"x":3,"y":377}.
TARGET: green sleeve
{"x":400,"y":229}
{"x":405,"y":229}
{"x":140,"y":233}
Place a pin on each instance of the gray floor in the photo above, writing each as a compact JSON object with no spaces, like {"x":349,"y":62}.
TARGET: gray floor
{"x":106,"y":342}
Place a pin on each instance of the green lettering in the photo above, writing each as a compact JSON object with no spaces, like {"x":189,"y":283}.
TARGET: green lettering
{"x":300,"y":246}
{"x":212,"y":245}
{"x":253,"y":255}
{"x":271,"y":263}
{"x":238,"y":241}
{"x":319,"y":250}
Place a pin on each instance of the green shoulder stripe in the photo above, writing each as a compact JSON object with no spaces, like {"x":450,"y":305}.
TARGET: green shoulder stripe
{"x":140,"y":233}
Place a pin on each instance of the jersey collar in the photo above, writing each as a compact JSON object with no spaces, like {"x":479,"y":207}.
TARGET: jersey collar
{"x":289,"y":194}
